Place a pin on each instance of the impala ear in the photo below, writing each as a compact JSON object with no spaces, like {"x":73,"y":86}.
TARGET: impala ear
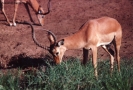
{"x":51,"y":39}
{"x":61,"y":42}
{"x":40,"y":10}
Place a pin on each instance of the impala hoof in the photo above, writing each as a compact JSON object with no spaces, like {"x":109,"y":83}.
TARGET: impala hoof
{"x":14,"y":24}
{"x":10,"y":24}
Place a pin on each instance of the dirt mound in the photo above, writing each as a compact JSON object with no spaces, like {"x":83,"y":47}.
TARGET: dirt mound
{"x":65,"y":18}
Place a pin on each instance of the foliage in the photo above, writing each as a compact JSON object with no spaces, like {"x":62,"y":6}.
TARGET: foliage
{"x":70,"y":75}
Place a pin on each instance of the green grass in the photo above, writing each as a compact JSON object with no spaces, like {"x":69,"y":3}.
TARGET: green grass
{"x":71,"y":75}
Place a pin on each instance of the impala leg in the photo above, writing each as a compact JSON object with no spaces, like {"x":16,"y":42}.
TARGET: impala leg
{"x":15,"y":12}
{"x":94,"y":60}
{"x":3,"y":10}
{"x":117,"y":44}
{"x":118,"y":57}
{"x":85,"y":56}
{"x":117,"y":48}
{"x":111,"y":53}
{"x":27,"y":8}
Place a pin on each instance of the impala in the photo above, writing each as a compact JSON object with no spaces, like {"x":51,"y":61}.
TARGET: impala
{"x":33,"y":3}
{"x":94,"y":33}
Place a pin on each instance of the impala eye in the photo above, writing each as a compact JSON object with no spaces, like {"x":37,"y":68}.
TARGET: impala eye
{"x":57,"y":53}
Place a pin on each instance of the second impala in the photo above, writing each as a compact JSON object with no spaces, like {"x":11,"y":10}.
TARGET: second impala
{"x":34,"y":5}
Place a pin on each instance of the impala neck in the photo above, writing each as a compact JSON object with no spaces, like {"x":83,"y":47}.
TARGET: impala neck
{"x":75,"y":41}
{"x":34,"y":4}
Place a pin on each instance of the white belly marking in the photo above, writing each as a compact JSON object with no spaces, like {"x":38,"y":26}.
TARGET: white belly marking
{"x":103,"y":43}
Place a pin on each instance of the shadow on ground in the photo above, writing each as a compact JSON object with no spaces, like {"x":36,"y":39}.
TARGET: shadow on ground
{"x":23,"y":61}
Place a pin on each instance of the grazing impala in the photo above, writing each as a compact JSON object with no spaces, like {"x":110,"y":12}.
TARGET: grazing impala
{"x":33,"y":3}
{"x":94,"y":33}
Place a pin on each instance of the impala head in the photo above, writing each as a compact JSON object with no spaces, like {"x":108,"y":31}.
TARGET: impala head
{"x":57,"y":49}
{"x":41,"y":15}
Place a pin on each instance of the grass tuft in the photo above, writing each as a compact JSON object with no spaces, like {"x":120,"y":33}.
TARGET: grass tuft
{"x":70,"y":75}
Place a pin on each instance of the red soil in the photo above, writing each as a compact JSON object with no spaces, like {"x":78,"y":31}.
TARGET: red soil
{"x":65,"y":18}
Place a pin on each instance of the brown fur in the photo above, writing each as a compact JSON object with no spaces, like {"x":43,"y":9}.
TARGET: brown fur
{"x":33,"y":3}
{"x":94,"y":33}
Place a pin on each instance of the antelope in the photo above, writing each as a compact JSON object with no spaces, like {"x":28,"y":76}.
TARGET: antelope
{"x":34,"y":5}
{"x":94,"y":33}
